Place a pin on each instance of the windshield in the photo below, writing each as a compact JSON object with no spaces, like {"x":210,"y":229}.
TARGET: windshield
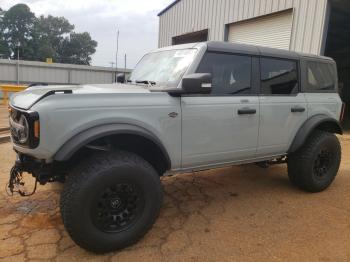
{"x":164,"y":68}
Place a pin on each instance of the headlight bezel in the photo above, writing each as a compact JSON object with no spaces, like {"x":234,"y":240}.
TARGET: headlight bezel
{"x":31,"y":117}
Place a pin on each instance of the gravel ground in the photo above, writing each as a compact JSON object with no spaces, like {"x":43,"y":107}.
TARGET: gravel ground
{"x":232,"y":214}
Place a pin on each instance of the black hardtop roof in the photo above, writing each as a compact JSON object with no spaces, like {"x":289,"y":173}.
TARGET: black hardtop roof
{"x":219,"y":46}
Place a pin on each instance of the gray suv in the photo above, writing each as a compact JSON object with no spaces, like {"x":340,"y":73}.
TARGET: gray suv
{"x":185,"y":108}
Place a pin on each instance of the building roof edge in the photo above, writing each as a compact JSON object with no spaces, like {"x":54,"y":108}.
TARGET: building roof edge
{"x":168,"y":7}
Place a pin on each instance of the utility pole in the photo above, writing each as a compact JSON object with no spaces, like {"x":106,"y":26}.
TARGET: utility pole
{"x":116,"y":55}
{"x":18,"y":46}
{"x":125,"y":66}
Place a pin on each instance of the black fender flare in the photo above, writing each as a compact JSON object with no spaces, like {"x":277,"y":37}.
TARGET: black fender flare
{"x":85,"y":137}
{"x":321,"y":122}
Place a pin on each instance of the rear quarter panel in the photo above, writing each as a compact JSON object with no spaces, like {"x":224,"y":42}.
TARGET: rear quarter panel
{"x":329,"y":104}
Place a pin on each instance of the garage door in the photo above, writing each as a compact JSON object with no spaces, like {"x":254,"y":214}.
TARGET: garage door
{"x":271,"y":31}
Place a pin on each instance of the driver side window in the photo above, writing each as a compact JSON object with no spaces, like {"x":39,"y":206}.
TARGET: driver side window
{"x":231,"y":73}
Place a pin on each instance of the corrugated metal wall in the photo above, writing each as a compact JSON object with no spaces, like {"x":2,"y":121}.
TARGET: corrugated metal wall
{"x":309,"y":18}
{"x":39,"y":72}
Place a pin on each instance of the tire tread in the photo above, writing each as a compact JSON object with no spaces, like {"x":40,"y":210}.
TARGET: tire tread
{"x":82,"y":173}
{"x":300,"y":160}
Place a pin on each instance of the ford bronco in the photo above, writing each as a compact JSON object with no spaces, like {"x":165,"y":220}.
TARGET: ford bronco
{"x":184,"y":108}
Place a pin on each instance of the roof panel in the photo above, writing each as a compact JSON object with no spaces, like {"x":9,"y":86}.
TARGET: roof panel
{"x":217,"y":46}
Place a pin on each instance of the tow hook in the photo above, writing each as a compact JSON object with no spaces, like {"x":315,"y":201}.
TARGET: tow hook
{"x":16,"y":182}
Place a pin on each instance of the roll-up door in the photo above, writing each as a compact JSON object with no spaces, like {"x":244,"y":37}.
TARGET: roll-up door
{"x":270,"y":31}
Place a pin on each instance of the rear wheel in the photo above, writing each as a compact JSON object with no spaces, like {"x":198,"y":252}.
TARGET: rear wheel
{"x":110,"y":201}
{"x":314,"y":166}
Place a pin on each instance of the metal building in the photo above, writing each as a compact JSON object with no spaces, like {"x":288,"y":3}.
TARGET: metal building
{"x":309,"y":26}
{"x":29,"y":72}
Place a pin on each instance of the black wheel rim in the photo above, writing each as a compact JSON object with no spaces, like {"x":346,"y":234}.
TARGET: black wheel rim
{"x":117,"y":207}
{"x":322,"y":163}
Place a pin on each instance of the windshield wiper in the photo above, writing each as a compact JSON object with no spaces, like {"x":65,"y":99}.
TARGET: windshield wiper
{"x":147,"y":82}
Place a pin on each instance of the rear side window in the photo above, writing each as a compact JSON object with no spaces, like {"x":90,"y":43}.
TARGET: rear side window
{"x":320,"y":77}
{"x":278,"y":76}
{"x":231,"y":73}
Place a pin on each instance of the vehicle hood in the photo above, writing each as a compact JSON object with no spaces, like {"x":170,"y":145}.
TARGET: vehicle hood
{"x":26,"y":99}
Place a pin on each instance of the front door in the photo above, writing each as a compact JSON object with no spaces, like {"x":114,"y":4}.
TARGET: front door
{"x":221,"y":127}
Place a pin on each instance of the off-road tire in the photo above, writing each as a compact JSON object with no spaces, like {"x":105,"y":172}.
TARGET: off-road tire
{"x":83,"y":186}
{"x":303,"y":165}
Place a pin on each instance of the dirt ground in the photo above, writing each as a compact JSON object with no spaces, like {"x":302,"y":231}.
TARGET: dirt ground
{"x":3,"y":116}
{"x":233,"y":214}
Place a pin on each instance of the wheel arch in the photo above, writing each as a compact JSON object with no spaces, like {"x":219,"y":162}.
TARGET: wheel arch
{"x":317,"y":122}
{"x":134,"y":133}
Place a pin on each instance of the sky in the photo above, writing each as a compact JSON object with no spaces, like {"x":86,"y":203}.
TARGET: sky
{"x":136,"y":20}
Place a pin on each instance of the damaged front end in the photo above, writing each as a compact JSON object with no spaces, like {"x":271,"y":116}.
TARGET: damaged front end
{"x":25,"y":132}
{"x":40,"y":171}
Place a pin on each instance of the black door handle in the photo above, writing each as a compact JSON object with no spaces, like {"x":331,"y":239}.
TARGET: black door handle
{"x":298,"y":109}
{"x":247,"y":111}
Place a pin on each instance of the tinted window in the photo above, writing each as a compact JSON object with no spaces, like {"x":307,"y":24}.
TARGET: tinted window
{"x":320,"y":76}
{"x":278,"y":77}
{"x":231,"y":73}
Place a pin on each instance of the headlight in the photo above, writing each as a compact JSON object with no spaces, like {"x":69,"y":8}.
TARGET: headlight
{"x":25,"y":128}
{"x":23,"y":131}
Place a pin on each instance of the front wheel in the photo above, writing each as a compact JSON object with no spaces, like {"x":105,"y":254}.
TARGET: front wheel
{"x":314,"y":166}
{"x":110,"y":201}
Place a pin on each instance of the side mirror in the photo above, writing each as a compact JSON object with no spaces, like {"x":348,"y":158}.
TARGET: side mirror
{"x":120,"y":78}
{"x":197,"y":83}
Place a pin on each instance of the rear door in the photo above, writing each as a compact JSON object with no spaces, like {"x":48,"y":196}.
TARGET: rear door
{"x":283,"y":108}
{"x":221,"y":127}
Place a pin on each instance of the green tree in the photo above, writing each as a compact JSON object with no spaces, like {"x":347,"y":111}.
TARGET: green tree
{"x":18,"y":26}
{"x":78,"y":48}
{"x":43,"y":37}
{"x":4,"y":50}
{"x":51,"y":32}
